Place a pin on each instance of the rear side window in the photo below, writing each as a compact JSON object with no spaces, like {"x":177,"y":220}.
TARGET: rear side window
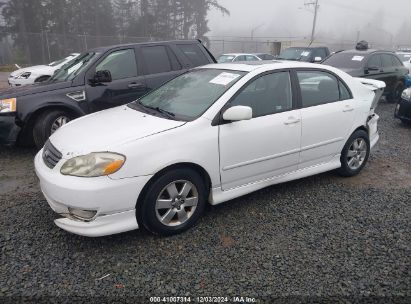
{"x":121,"y":64}
{"x":194,"y":54}
{"x":386,"y":60}
{"x":318,"y":88}
{"x":240,"y":58}
{"x":344,"y":92}
{"x":250,"y":58}
{"x":396,"y":61}
{"x":157,"y":59}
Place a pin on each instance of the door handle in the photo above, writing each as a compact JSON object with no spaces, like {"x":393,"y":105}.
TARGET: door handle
{"x":292,"y":120}
{"x":135,"y":85}
{"x":348,"y":109}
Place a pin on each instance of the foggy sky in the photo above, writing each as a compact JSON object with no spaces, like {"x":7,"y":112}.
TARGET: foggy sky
{"x":376,"y":20}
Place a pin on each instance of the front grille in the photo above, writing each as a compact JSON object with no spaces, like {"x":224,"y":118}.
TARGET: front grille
{"x":51,"y":156}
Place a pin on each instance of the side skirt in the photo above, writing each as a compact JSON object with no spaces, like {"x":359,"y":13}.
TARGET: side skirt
{"x":218,"y":196}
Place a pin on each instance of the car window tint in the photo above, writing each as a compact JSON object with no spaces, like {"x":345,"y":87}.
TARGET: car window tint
{"x":318,"y":88}
{"x":267,"y":94}
{"x":344,"y":92}
{"x":156,"y":59}
{"x":121,"y":64}
{"x":386,"y":60}
{"x":194,"y":54}
{"x":375,"y":61}
{"x":175,"y":64}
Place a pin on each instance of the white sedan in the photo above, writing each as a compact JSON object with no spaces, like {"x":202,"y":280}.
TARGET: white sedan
{"x":208,"y":136}
{"x":37,"y":73}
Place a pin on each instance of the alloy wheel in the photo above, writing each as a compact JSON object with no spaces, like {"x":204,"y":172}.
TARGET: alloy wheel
{"x":357,"y":153}
{"x":58,"y":123}
{"x":176,"y":203}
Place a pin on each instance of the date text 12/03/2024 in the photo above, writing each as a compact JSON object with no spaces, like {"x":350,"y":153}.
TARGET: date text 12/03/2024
{"x":175,"y":299}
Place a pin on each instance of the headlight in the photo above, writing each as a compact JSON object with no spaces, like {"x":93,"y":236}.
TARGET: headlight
{"x":8,"y":105}
{"x":406,"y":94}
{"x":24,"y":75}
{"x":93,"y":164}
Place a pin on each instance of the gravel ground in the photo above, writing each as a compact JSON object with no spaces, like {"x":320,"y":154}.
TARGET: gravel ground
{"x":322,"y":238}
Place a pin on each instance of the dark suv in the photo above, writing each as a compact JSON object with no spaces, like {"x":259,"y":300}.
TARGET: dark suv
{"x":96,"y":80}
{"x":374,"y":64}
{"x":306,"y":54}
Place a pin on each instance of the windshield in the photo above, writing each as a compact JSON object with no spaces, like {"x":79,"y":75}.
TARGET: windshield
{"x":58,"y":62}
{"x":405,"y":57}
{"x":191,"y":94}
{"x":225,"y":58}
{"x":345,"y":60}
{"x":73,"y":67}
{"x":295,"y":54}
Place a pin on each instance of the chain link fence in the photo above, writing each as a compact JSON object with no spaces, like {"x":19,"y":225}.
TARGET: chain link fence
{"x":45,"y":47}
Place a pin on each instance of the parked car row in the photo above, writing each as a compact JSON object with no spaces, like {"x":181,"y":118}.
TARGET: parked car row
{"x":182,"y":131}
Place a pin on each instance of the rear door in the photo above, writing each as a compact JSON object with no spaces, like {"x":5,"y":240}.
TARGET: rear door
{"x":327,"y":116}
{"x":126,"y":86}
{"x":388,"y":70}
{"x":160,"y":64}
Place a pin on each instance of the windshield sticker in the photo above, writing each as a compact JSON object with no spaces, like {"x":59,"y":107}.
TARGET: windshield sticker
{"x":357,"y":58}
{"x":74,"y":68}
{"x":224,"y":78}
{"x":305,"y":54}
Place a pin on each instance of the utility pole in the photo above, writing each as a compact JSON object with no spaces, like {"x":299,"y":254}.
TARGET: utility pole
{"x":316,"y":7}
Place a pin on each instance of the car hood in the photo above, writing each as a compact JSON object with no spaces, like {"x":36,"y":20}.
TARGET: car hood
{"x":37,"y":70}
{"x":41,"y":87}
{"x":108,"y":129}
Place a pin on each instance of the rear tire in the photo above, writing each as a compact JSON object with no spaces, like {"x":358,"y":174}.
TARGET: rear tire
{"x":47,"y":123}
{"x":355,"y":154}
{"x":395,"y":95}
{"x":173,"y":202}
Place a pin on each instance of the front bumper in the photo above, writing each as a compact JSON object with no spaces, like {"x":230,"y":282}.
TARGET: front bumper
{"x":8,"y":129}
{"x":114,"y":200}
{"x":403,"y":110}
{"x":17,"y":82}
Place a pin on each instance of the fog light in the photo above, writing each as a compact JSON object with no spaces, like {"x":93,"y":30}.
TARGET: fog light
{"x":83,"y":215}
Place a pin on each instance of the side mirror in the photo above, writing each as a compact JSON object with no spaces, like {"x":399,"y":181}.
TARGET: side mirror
{"x":102,"y":76}
{"x":318,"y":59}
{"x":238,"y":113}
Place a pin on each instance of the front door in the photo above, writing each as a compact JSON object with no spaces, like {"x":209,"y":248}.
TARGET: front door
{"x":266,"y":145}
{"x":126,"y":85}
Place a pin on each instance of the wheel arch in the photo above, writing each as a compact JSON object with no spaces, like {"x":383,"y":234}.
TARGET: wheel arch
{"x":25,"y":136}
{"x":199,"y":169}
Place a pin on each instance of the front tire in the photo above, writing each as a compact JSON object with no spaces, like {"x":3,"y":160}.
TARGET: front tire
{"x":355,"y":154}
{"x":395,"y":95}
{"x":173,"y":202}
{"x":47,"y":123}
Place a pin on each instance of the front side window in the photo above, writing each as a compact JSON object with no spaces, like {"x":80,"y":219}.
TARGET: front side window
{"x":318,"y":88}
{"x":121,"y":64}
{"x":346,"y":60}
{"x":191,"y":94}
{"x":268,"y":94}
{"x":396,"y":61}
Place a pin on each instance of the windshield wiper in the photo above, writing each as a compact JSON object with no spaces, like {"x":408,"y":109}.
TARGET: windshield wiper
{"x":159,"y":110}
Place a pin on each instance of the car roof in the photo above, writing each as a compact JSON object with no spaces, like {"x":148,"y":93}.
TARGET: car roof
{"x":237,"y":54}
{"x":364,"y":52}
{"x":106,"y":48}
{"x":249,"y":66}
